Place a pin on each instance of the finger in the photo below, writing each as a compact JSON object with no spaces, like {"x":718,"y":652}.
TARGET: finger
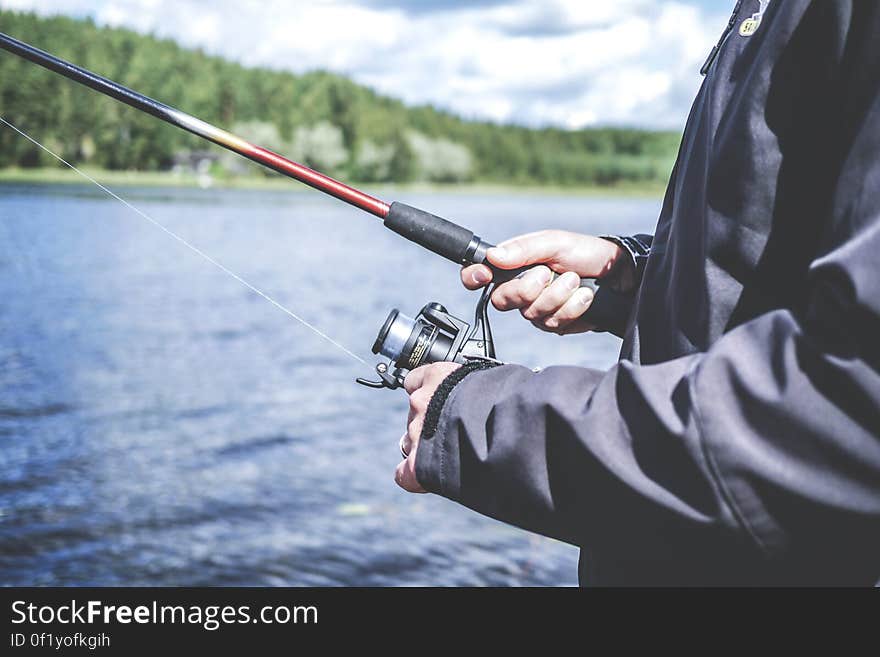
{"x":561,"y":250}
{"x":417,"y":408}
{"x":414,"y":379}
{"x":405,"y":475}
{"x":476,"y":276}
{"x":406,"y":443}
{"x":522,"y":292}
{"x":528,"y":249}
{"x":577,"y":304}
{"x":418,"y":402}
{"x":553,"y":297}
{"x":414,"y":429}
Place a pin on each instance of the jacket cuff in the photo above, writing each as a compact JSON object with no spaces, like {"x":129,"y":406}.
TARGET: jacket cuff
{"x":430,"y":457}
{"x":636,"y":249}
{"x":438,"y":400}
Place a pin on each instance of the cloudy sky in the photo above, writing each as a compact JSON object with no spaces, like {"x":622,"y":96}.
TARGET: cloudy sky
{"x":570,"y":63}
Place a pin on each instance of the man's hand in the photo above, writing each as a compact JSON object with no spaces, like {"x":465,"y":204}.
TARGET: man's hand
{"x":555,"y":307}
{"x":420,"y":384}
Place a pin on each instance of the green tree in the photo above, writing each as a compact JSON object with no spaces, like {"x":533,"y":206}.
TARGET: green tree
{"x":327,"y":120}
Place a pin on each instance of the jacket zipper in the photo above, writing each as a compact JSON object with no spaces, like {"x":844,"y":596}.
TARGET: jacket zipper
{"x":714,"y":52}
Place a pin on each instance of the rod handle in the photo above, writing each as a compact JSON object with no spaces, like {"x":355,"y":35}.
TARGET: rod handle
{"x":430,"y":231}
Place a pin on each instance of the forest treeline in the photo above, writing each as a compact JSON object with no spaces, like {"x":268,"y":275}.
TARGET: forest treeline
{"x":319,"y":118}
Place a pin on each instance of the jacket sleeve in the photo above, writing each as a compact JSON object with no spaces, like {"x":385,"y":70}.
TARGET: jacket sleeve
{"x":770,"y":439}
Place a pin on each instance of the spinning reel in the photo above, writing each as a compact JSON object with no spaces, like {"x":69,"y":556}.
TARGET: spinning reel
{"x":433,"y":336}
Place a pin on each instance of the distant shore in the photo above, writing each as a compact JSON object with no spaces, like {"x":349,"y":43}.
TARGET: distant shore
{"x":53,"y":176}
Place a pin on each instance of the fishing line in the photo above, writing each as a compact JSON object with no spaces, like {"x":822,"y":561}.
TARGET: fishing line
{"x":191,"y":247}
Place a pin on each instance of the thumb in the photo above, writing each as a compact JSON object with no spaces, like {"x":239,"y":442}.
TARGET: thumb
{"x":558,"y":249}
{"x":530,"y":249}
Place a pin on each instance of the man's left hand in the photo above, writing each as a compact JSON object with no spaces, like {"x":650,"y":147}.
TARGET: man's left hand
{"x":420,"y":385}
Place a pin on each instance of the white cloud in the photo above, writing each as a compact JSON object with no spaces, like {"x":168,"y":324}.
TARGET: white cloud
{"x":562,"y":62}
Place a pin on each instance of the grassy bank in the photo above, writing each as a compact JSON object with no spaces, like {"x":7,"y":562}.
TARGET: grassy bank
{"x":57,"y":176}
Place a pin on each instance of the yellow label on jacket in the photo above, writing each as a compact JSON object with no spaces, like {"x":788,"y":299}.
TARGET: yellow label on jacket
{"x":749,"y":26}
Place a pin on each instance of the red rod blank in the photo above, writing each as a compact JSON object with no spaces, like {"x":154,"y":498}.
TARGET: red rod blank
{"x":320,"y":182}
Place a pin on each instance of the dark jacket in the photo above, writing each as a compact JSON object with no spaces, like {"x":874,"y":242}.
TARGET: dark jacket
{"x":738,"y":439}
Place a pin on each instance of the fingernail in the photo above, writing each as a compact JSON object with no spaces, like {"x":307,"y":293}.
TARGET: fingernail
{"x":513,"y":253}
{"x":545,"y":275}
{"x":509,"y":255}
{"x":585,"y":296}
{"x":572,"y":280}
{"x":481,"y":277}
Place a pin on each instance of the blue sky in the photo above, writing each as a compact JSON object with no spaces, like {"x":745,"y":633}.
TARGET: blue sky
{"x":570,"y":63}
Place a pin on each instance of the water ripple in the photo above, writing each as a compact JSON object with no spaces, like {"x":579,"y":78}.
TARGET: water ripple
{"x":163,"y":426}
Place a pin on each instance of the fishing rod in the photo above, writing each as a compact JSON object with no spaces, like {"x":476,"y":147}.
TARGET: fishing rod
{"x":434,"y":334}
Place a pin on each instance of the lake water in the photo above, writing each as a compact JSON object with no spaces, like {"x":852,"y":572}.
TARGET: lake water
{"x":160,"y":424}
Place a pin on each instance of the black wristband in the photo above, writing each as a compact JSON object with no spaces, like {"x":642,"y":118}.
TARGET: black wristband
{"x":435,"y":406}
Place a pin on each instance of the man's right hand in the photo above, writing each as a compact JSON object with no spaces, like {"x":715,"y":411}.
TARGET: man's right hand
{"x":556,"y":307}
